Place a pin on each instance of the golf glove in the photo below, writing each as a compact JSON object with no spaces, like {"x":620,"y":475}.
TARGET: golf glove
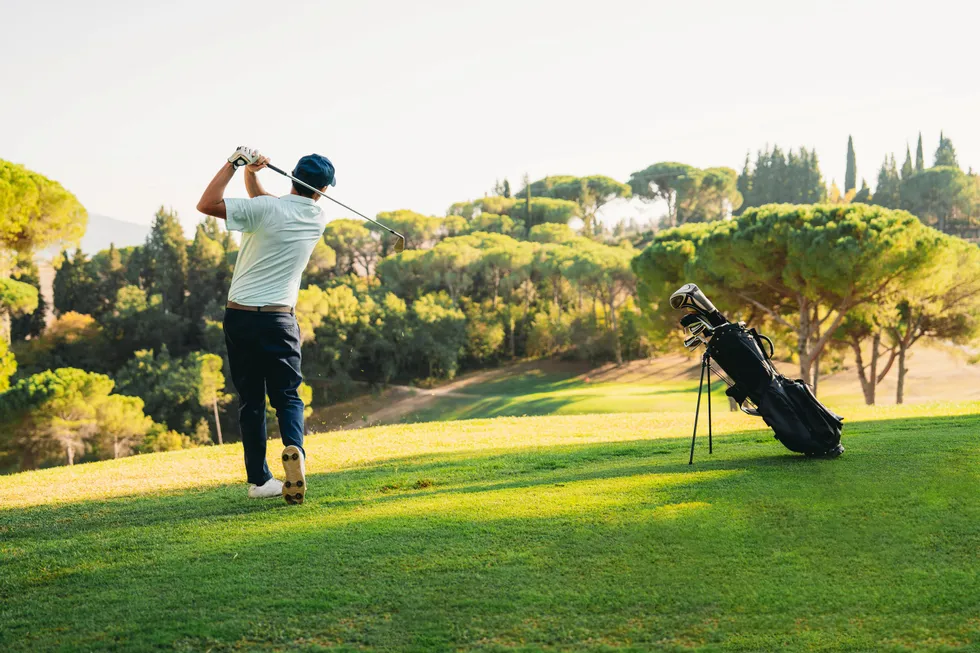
{"x":243,"y":156}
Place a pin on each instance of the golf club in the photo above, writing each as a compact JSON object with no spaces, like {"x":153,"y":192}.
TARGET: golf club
{"x":690,"y":296}
{"x":399,"y":239}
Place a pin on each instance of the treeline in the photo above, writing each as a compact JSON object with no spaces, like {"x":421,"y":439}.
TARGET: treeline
{"x":501,"y":277}
{"x":942,"y":196}
{"x":477,"y":288}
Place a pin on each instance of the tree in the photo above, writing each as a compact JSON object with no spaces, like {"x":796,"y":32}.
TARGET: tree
{"x":920,"y":161}
{"x":36,"y":212}
{"x":862,"y":325}
{"x":944,"y":197}
{"x":506,"y":192}
{"x":419,"y":230}
{"x":717,"y":195}
{"x":850,"y":176}
{"x":121,"y":424}
{"x":209,"y":382}
{"x":166,"y":260}
{"x":53,"y":411}
{"x":590,"y":193}
{"x":29,"y":324}
{"x":110,"y":273}
{"x":209,"y":274}
{"x":942,"y":302}
{"x":888,"y":191}
{"x":606,"y":271}
{"x":779,"y":178}
{"x":545,"y":209}
{"x":322,"y":265}
{"x":803,"y":268}
{"x":71,"y":340}
{"x":353,"y":244}
{"x":863,"y":196}
{"x":492,"y":223}
{"x":907,"y":170}
{"x":945,"y":153}
{"x":668,"y":181}
{"x":74,"y":288}
{"x":177,"y":391}
{"x":744,"y":182}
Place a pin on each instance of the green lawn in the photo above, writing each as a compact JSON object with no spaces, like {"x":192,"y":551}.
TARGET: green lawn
{"x":535,"y":392}
{"x":541,"y":533}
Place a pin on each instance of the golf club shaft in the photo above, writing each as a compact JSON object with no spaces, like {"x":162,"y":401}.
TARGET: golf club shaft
{"x":320,"y":192}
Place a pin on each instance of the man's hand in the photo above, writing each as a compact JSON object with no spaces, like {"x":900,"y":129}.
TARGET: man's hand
{"x":243,"y":156}
{"x":260,"y":163}
{"x":252,"y":184}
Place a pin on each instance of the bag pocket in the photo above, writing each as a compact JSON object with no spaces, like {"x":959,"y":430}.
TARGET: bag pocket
{"x":798,"y":419}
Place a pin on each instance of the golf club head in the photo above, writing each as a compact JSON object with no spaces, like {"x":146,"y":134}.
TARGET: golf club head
{"x":690,"y":296}
{"x":696,"y":324}
{"x":693,"y":342}
{"x":399,"y":243}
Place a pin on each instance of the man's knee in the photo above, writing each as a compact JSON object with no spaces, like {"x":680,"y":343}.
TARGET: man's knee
{"x":251,"y":408}
{"x":287,"y":398}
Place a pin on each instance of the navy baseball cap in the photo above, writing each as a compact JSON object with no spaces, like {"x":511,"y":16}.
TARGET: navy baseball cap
{"x":316,"y":170}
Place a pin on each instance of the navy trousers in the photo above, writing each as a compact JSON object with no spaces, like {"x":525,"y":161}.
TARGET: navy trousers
{"x":264,"y":353}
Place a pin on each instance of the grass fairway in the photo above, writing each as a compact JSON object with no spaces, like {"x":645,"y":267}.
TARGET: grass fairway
{"x":540,"y":533}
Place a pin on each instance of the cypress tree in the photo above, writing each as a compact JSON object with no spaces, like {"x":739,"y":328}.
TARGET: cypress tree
{"x":907,"y":166}
{"x":850,"y":176}
{"x":920,"y":162}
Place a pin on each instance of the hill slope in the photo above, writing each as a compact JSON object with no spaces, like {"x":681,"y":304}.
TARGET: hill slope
{"x":543,"y":533}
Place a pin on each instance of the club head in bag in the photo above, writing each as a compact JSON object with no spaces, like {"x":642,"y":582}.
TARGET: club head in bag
{"x":690,"y":296}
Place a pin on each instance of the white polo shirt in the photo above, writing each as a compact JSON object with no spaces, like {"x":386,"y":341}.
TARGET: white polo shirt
{"x":278,"y":237}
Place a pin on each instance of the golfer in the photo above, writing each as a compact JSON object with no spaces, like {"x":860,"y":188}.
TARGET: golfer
{"x":278,"y":236}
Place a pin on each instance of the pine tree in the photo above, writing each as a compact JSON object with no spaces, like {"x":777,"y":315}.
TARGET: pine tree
{"x":32,"y":324}
{"x":850,"y":175}
{"x":920,"y":162}
{"x":888,"y":190}
{"x":166,"y":260}
{"x":864,"y":195}
{"x":945,"y":153}
{"x":506,"y":188}
{"x":907,"y":166}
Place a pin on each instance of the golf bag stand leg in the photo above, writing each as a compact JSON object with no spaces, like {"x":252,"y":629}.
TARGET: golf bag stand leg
{"x":705,"y":369}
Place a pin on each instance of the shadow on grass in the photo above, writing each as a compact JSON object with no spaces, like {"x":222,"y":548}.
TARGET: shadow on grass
{"x":519,"y":405}
{"x":397,"y":478}
{"x":697,"y":561}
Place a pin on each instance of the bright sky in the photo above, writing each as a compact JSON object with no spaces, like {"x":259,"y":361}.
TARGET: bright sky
{"x":419,"y":104}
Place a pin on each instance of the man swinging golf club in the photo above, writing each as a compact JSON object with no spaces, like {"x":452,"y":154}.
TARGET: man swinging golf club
{"x":278,"y":237}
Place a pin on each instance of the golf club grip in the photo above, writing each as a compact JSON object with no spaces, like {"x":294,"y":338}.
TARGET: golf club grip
{"x":320,"y":193}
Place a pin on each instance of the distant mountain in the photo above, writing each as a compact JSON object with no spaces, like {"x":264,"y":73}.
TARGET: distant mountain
{"x":103,"y":231}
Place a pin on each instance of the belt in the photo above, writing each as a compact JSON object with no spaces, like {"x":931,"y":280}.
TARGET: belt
{"x":261,"y":309}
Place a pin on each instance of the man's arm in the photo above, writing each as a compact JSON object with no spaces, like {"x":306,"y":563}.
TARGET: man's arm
{"x":252,"y":184}
{"x":212,"y":202}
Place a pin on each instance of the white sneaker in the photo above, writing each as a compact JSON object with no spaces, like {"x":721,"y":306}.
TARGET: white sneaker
{"x":294,"y":464}
{"x":271,"y":488}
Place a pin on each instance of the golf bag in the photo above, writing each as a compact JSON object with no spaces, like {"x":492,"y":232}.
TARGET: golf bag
{"x":800,"y":422}
{"x":791,"y":410}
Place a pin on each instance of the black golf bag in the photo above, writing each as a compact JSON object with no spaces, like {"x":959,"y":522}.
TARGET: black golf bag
{"x":791,"y":410}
